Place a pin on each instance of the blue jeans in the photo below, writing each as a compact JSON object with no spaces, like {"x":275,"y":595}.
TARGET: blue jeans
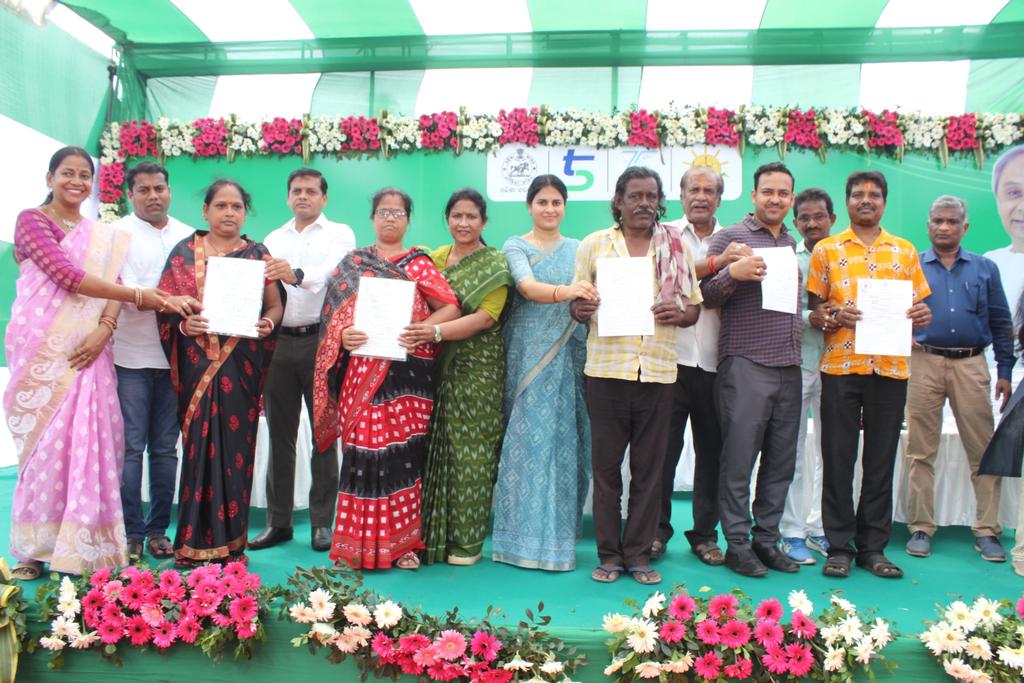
{"x":150,"y":409}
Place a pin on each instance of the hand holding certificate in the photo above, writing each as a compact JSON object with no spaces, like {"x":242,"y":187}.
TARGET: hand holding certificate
{"x":383,"y":309}
{"x":884,"y":328}
{"x":626,"y":291}
{"x":233,"y":296}
{"x":780,"y":288}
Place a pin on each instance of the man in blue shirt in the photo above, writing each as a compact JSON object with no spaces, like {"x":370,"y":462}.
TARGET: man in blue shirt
{"x":948,"y":361}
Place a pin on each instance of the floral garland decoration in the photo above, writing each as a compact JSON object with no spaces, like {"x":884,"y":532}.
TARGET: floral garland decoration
{"x":211,"y":607}
{"x":386,"y":639}
{"x":13,"y":624}
{"x":814,"y":129}
{"x":724,"y":635}
{"x":983,"y":641}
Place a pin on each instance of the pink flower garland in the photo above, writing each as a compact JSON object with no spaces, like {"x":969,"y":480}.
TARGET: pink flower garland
{"x":884,"y":128}
{"x":209,"y":138}
{"x":362,"y":134}
{"x":138,"y":139}
{"x":721,"y":128}
{"x":111,"y":180}
{"x":643,"y":129}
{"x":519,"y":125}
{"x":962,"y":132}
{"x":802,"y":129}
{"x":438,"y":131}
{"x":283,"y":136}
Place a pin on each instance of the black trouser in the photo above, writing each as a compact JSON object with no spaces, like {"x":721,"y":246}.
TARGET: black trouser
{"x":759,"y":410}
{"x":692,"y":399}
{"x":289,"y":381}
{"x":635,"y":414}
{"x":844,"y":399}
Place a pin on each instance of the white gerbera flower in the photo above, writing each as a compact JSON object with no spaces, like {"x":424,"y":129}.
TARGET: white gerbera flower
{"x":517,"y":664}
{"x":654,"y":605}
{"x":679,"y":664}
{"x":1012,"y":657}
{"x":387,"y":614}
{"x":52,"y":643}
{"x":880,"y":634}
{"x":958,"y":669}
{"x":322,"y":632}
{"x":643,"y":636}
{"x":799,"y":602}
{"x":615,"y":623}
{"x":357,"y":614}
{"x":321,"y":604}
{"x":835,"y":659}
{"x":842,"y":604}
{"x":979,"y":649}
{"x":648,"y":669}
{"x":614,"y":666}
{"x":851,"y":628}
{"x":301,"y":613}
{"x":863,"y":651}
{"x":987,"y":612}
{"x":958,"y":614}
{"x":552,"y":667}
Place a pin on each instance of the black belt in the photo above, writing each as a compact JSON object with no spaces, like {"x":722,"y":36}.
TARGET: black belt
{"x":303,"y":331}
{"x":953,"y":353}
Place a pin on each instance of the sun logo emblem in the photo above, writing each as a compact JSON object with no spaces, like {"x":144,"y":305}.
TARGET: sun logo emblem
{"x":708,"y":159}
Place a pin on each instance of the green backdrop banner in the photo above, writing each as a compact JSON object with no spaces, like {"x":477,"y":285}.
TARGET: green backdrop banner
{"x":429,"y":178}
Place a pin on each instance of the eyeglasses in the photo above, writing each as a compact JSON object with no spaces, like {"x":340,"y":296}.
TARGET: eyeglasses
{"x":389,"y":213}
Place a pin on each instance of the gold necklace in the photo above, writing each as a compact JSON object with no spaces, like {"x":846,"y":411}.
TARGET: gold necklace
{"x":221,"y":252}
{"x":65,"y":224}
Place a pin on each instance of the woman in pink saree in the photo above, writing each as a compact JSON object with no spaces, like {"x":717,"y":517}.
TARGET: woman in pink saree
{"x":61,"y":402}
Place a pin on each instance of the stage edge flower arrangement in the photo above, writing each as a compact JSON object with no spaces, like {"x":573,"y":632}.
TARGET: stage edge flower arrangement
{"x":982,"y":642}
{"x":817,"y":130}
{"x":687,"y":637}
{"x":13,"y":624}
{"x":386,"y":639}
{"x":214,"y":607}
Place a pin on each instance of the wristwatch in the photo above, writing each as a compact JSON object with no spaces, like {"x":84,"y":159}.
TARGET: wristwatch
{"x":437,"y":334}
{"x":299,"y":275}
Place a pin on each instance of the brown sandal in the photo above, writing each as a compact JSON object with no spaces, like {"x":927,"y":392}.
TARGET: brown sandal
{"x":27,"y":571}
{"x":408,"y":561}
{"x":709,"y":553}
{"x":160,"y":547}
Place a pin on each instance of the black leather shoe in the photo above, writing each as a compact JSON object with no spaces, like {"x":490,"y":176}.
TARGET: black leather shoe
{"x":270,"y":537}
{"x":322,"y":538}
{"x":773,"y":558}
{"x":743,"y":561}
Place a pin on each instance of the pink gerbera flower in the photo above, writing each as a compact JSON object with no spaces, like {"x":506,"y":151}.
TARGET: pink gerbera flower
{"x":169,"y":579}
{"x":243,"y":609}
{"x":800,"y":659}
{"x":741,"y":670}
{"x":152,"y":614}
{"x":222,"y":620}
{"x":734,"y":634}
{"x":111,"y":612}
{"x":426,"y":656}
{"x":768,"y":633}
{"x":450,"y":645}
{"x":143,"y":581}
{"x":408,"y":665}
{"x":682,"y":607}
{"x":237,"y":570}
{"x":708,"y":666}
{"x":131,"y":595}
{"x":802,"y":627}
{"x":110,"y":631}
{"x":93,"y":600}
{"x":769,"y":609}
{"x":774,"y":659}
{"x":383,"y":647}
{"x":188,"y":629}
{"x":1020,"y":607}
{"x":485,"y":646}
{"x":100,"y":577}
{"x":707,"y":631}
{"x":672,"y":631}
{"x":413,"y":643}
{"x":208,"y":591}
{"x":445,"y":671}
{"x":164,"y":634}
{"x":723,"y":605}
{"x":138,"y":630}
{"x":246,"y":630}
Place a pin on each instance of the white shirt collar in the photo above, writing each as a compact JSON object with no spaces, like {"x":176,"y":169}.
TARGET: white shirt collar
{"x":319,"y":223}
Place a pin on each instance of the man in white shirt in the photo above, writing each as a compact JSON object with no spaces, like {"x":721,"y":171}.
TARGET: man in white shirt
{"x":701,"y":190}
{"x":148,"y":401}
{"x":305,"y":250}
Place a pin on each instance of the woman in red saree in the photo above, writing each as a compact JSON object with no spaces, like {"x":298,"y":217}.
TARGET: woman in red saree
{"x":219,"y":380}
{"x":379,"y":408}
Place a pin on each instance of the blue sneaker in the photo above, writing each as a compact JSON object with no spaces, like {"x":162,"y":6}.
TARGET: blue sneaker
{"x":818,"y":544}
{"x":796,"y":550}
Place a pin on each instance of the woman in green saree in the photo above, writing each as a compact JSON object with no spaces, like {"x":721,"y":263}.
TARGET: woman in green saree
{"x":466,"y":427}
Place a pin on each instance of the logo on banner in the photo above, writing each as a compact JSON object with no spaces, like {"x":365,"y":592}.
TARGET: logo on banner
{"x":590,"y":173}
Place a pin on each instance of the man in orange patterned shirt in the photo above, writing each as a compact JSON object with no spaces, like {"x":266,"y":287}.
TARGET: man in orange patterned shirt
{"x":859,"y":389}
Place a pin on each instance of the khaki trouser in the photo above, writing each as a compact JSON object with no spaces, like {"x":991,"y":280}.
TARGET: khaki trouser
{"x":966,"y":383}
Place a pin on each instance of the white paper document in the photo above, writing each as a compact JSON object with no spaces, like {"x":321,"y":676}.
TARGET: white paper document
{"x":626,"y":288}
{"x":780,"y":288}
{"x":383,"y":310}
{"x":884,"y":328}
{"x":233,"y":295}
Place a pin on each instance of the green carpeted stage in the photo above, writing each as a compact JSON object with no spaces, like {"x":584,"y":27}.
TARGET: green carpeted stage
{"x":575,"y":603}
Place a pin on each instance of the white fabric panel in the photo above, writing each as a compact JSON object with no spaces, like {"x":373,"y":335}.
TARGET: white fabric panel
{"x":82,"y":30}
{"x":909,"y":13}
{"x":707,"y":86}
{"x":479,"y":90}
{"x":258,"y":96}
{"x":24,"y":182}
{"x":229,"y":20}
{"x":912,"y":86}
{"x":464,"y":17}
{"x":673,"y":15}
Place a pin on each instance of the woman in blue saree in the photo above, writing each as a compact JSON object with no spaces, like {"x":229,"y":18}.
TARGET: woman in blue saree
{"x":544,"y":469}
